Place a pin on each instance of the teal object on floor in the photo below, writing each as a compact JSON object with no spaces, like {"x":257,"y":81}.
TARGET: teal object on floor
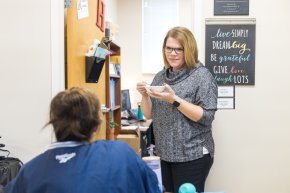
{"x":187,"y":188}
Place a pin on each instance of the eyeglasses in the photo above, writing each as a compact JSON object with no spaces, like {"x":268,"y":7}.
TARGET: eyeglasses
{"x":176,"y":50}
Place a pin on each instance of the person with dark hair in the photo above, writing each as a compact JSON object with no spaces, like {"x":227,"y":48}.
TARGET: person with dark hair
{"x":183,"y":114}
{"x":74,"y":164}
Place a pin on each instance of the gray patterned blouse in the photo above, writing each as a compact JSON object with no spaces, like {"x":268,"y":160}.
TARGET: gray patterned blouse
{"x":177,"y":138}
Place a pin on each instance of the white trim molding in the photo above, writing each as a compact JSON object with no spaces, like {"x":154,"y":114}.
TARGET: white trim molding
{"x":57,"y":47}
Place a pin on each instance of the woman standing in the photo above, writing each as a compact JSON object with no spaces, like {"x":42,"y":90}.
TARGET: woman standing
{"x":183,"y":114}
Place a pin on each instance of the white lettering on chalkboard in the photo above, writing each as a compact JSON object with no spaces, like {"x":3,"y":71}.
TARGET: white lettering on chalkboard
{"x":230,"y":53}
{"x":234,"y":58}
{"x":220,"y":69}
{"x":223,"y":45}
{"x":235,"y":33}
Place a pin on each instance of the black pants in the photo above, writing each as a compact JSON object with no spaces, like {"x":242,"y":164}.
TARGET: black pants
{"x":175,"y":174}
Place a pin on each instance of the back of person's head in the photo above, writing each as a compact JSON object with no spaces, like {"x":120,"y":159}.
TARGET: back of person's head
{"x":187,"y":40}
{"x":75,"y":114}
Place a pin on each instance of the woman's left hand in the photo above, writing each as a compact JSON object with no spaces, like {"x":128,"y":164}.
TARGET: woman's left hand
{"x":167,"y":96}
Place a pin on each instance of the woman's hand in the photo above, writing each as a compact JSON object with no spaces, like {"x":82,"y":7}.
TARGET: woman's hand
{"x":146,"y":104}
{"x":167,"y":96}
{"x":141,"y":88}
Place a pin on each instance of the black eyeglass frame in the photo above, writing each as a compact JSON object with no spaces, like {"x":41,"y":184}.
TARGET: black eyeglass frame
{"x":169,"y":50}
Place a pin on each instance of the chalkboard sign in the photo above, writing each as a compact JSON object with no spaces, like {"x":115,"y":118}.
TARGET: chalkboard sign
{"x":231,"y":7}
{"x":230,"y":53}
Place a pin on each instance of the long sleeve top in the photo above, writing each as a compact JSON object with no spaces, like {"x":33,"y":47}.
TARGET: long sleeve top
{"x":69,"y":167}
{"x":177,"y":138}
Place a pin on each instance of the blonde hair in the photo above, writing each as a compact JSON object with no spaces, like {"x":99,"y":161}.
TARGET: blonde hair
{"x":188,"y":43}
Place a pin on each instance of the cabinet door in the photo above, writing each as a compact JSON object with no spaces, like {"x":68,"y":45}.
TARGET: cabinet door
{"x":80,"y":34}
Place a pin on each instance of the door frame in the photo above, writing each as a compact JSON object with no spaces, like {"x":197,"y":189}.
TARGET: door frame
{"x":57,"y":47}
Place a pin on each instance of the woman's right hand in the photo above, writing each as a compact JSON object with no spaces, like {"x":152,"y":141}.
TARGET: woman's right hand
{"x":141,"y":88}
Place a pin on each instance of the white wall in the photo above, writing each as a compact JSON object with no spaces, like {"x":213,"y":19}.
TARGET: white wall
{"x":111,"y":10}
{"x":252,"y":141}
{"x":25,"y":73}
{"x":253,"y":153}
{"x":130,"y":38}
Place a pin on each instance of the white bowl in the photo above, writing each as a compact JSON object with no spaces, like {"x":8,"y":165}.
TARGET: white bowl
{"x":156,"y":88}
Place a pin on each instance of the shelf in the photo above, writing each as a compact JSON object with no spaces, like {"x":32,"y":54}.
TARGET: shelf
{"x":114,"y":76}
{"x":115,"y":108}
{"x":113,"y":88}
{"x":111,"y":109}
{"x":105,"y":110}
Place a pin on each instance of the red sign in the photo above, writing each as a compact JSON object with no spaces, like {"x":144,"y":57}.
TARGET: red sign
{"x":101,"y":15}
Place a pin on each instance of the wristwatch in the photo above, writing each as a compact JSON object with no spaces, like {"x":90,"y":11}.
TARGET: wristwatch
{"x":177,"y":101}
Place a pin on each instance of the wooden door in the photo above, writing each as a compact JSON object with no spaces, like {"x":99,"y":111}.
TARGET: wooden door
{"x":80,"y":35}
